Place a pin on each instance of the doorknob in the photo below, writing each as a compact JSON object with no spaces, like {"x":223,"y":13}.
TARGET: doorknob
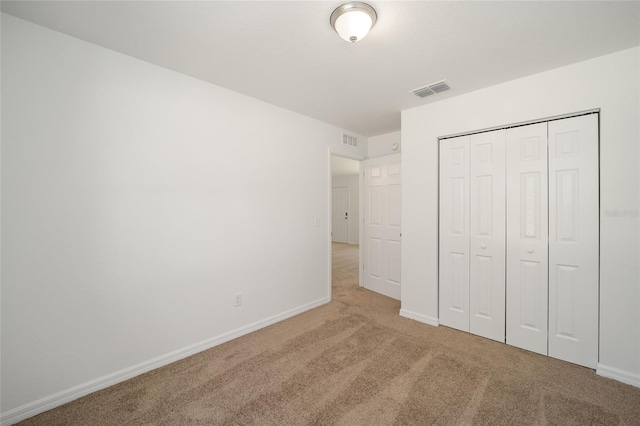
{"x":530,"y":251}
{"x":483,"y":246}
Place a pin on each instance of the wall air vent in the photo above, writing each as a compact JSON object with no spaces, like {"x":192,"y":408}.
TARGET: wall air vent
{"x":431,"y":89}
{"x":349,"y":140}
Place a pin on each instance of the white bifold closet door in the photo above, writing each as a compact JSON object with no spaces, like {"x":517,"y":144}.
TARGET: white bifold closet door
{"x":527,"y":237}
{"x":574,"y":239}
{"x":454,"y":233}
{"x":519,"y":232}
{"x":487,"y":235}
{"x":472,"y":268}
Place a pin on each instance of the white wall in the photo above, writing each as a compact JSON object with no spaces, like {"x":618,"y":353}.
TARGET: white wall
{"x":382,"y":145}
{"x":352,"y":182}
{"x":341,"y":166}
{"x":610,"y":83}
{"x":136,"y":202}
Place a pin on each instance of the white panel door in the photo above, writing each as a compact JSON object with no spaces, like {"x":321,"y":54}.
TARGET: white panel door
{"x":527,"y":237}
{"x":340,"y":214}
{"x":454,"y":233}
{"x":573,"y":239}
{"x":487,"y":235}
{"x":382,"y":225}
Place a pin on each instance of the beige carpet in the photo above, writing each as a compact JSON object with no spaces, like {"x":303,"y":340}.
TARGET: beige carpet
{"x":356,"y":362}
{"x":344,"y":262}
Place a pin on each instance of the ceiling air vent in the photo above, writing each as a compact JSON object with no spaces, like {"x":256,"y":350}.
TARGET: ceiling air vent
{"x":349,"y":140}
{"x":431,"y":89}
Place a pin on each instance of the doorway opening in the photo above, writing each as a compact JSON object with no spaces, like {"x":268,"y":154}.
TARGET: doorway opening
{"x":345,"y":223}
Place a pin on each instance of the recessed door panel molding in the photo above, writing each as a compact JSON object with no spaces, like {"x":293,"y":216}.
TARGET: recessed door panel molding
{"x":393,"y":262}
{"x":567,"y":206}
{"x":530,"y":208}
{"x":532,"y":147}
{"x":527,"y":237}
{"x":458,"y":202}
{"x":487,"y":235}
{"x":529,"y":303}
{"x":394,"y":204}
{"x":375,"y":254}
{"x":454,"y":233}
{"x":374,"y":205}
{"x":458,"y":276}
{"x":382,"y":225}
{"x":484,"y":199}
{"x":573,"y":239}
{"x":484,"y":269}
{"x":567,"y":279}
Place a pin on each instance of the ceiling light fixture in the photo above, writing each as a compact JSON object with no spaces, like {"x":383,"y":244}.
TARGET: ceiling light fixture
{"x":352,"y":21}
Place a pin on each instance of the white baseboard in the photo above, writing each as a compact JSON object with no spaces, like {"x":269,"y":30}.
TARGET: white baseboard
{"x":627,"y":377}
{"x":419,"y":317}
{"x":33,"y":408}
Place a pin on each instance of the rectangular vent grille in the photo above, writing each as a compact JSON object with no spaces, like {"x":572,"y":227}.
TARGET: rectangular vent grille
{"x":349,"y":140}
{"x":431,"y":89}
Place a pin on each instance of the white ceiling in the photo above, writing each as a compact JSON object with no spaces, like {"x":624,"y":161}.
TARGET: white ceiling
{"x":286,"y":53}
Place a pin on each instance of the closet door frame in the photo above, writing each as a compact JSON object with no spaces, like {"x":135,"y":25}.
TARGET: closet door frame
{"x":551,"y":318}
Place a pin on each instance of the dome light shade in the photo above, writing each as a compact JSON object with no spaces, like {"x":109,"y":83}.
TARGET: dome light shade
{"x":352,"y":21}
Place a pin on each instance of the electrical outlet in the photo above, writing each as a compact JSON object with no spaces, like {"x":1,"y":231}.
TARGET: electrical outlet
{"x":237,"y":299}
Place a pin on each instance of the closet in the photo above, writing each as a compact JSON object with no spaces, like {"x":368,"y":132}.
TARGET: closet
{"x":519,"y":236}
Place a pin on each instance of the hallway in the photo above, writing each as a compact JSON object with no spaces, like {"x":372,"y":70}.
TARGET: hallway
{"x":345,"y":261}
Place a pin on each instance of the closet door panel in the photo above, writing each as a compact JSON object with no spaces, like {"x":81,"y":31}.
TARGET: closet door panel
{"x":573,"y":240}
{"x":527,"y":237}
{"x":487,"y":235}
{"x":454,"y":233}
